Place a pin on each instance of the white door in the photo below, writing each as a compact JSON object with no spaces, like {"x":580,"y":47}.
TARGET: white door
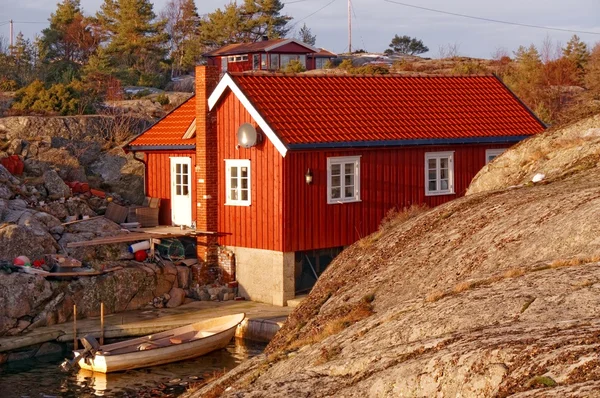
{"x":181,"y":191}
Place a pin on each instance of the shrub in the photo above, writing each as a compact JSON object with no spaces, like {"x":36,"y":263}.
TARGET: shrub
{"x":163,"y":99}
{"x":8,"y":85}
{"x":57,"y":99}
{"x":294,"y":66}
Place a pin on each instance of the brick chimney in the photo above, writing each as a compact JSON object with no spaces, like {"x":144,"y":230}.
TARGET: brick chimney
{"x":207,"y":78}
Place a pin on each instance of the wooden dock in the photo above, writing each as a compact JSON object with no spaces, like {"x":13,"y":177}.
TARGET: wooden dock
{"x":262,"y":322}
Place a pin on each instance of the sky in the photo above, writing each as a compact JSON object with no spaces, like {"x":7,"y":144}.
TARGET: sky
{"x":375,"y":22}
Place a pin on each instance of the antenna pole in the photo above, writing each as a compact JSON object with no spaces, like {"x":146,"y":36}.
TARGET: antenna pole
{"x":349,"y":27}
{"x":11,"y":33}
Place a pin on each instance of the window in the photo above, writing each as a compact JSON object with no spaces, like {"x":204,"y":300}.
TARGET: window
{"x":237,"y":182}
{"x":256,"y":61}
{"x":321,"y":62}
{"x":263,"y":61}
{"x":238,"y":58}
{"x":343,"y":179}
{"x":491,"y":154}
{"x":439,"y":173}
{"x":274,"y":62}
{"x":286,"y":58}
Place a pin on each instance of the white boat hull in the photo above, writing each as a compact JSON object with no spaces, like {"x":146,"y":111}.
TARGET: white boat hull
{"x":174,"y":345}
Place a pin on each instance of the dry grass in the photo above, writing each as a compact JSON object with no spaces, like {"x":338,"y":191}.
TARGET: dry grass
{"x":355,"y":313}
{"x":394,"y":217}
{"x":328,"y":354}
{"x":513,"y":273}
{"x":516,"y":272}
{"x":462,"y":287}
{"x":527,"y":304}
{"x":215,"y":391}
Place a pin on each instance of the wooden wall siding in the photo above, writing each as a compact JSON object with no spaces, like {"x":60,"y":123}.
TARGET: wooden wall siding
{"x":159,"y":181}
{"x":260,"y":224}
{"x":389,"y":177}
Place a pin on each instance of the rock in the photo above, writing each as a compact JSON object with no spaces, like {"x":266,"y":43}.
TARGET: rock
{"x":228,"y":296}
{"x":21,"y":355}
{"x":6,"y":176}
{"x":49,"y":349}
{"x":162,"y":285}
{"x":55,"y":186}
{"x":15,"y":147}
{"x":183,"y":276}
{"x":6,"y":323}
{"x":17,"y":240}
{"x":22,"y":294}
{"x":204,"y":296}
{"x":177,"y":297}
{"x":5,"y":192}
{"x":35,"y":167}
{"x":56,"y":209}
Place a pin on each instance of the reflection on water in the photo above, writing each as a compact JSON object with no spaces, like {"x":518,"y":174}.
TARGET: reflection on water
{"x":36,"y":378}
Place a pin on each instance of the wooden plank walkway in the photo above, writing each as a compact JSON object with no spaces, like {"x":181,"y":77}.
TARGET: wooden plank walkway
{"x":143,"y":322}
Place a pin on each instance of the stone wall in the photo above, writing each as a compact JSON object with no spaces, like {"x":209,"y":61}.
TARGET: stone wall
{"x":30,"y":301}
{"x":264,"y":275}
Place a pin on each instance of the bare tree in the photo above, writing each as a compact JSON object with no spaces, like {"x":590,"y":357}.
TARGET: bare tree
{"x":449,"y":50}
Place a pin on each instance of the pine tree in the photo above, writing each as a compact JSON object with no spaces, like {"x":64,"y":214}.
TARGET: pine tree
{"x":577,"y":52}
{"x":67,"y":43}
{"x":592,"y":76}
{"x":306,"y":36}
{"x":525,"y":79}
{"x":222,"y":27}
{"x":20,"y":61}
{"x":135,"y":43}
{"x":183,"y":27}
{"x":407,"y":45}
{"x":263,"y":18}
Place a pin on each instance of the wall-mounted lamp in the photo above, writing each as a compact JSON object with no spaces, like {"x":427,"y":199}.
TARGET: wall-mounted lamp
{"x":308,"y":177}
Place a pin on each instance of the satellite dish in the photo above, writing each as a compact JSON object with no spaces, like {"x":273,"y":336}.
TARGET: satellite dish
{"x":247,"y":135}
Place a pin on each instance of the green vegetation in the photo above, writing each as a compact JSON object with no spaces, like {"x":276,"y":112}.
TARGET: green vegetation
{"x":294,"y":66}
{"x":407,"y":45}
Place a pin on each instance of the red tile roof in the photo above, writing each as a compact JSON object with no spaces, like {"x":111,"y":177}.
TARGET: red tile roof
{"x":244,"y":48}
{"x":169,"y":130}
{"x":327,"y":109}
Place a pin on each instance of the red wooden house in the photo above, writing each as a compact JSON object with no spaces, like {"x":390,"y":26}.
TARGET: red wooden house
{"x":267,"y":55}
{"x":337,"y":153}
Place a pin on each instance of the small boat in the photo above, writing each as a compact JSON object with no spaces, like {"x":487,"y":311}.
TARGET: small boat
{"x":173,"y":345}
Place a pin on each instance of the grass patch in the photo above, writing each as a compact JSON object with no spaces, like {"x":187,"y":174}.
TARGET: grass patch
{"x":527,"y":304}
{"x":394,"y":216}
{"x":541,"y":381}
{"x":327,"y":354}
{"x":513,"y":273}
{"x":353,"y":313}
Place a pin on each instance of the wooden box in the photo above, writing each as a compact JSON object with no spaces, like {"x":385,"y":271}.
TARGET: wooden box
{"x":146,"y":216}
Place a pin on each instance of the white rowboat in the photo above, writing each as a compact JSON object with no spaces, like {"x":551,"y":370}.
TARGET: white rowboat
{"x":173,"y":345}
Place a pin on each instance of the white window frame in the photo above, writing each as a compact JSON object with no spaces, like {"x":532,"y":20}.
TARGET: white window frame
{"x":494,"y":153}
{"x":237,"y":58}
{"x":239,"y":163}
{"x":437,"y":156}
{"x":343,"y":160}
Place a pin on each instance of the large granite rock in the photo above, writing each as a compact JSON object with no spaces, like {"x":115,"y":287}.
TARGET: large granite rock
{"x":492,"y":295}
{"x":17,"y":240}
{"x":55,"y":186}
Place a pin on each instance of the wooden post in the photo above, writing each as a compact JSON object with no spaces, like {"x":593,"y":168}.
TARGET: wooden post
{"x":101,"y":323}
{"x":75,"y":345}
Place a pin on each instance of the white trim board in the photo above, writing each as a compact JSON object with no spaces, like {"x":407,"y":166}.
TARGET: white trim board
{"x":227,"y":82}
{"x":288,"y":41}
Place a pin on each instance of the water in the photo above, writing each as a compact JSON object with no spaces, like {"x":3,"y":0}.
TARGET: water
{"x":43,"y":378}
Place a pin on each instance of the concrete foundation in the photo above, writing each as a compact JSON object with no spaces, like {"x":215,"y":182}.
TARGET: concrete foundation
{"x":265,"y":276}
